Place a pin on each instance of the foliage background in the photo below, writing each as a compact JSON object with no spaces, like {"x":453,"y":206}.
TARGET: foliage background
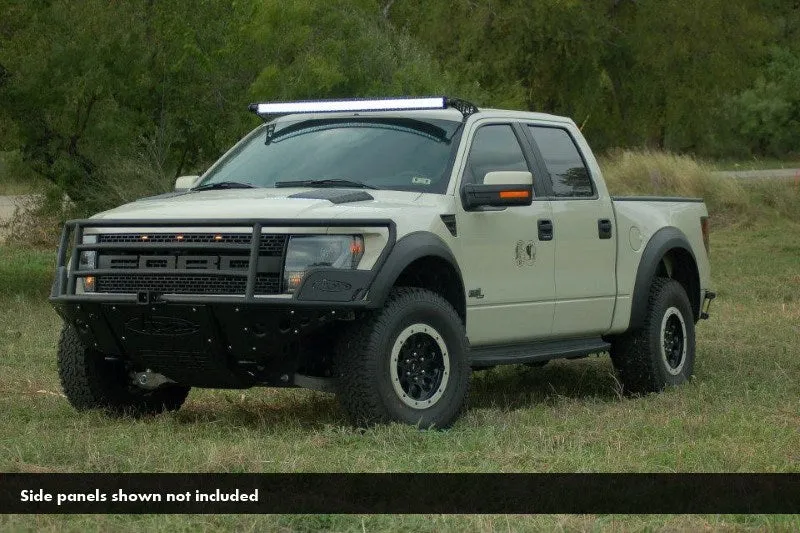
{"x":112,"y":100}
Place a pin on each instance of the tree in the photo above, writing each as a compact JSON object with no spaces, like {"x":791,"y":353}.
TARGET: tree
{"x":766,"y":116}
{"x":107,"y":95}
{"x":338,"y":48}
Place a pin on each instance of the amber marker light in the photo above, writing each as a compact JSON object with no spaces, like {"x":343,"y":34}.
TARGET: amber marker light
{"x":356,"y":247}
{"x":145,"y":237}
{"x":88,"y":283}
{"x":514,"y":194}
{"x":178,"y":237}
{"x":294,"y":280}
{"x":217,"y":237}
{"x":706,"y":230}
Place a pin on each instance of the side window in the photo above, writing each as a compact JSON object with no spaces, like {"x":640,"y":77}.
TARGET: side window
{"x":494,"y":147}
{"x":568,"y":173}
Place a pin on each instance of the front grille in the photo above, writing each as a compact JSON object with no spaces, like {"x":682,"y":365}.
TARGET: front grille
{"x":186,"y":284}
{"x":272,"y":244}
{"x":155,"y":265}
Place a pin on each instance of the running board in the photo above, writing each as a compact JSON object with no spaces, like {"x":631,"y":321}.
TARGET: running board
{"x":512,"y":354}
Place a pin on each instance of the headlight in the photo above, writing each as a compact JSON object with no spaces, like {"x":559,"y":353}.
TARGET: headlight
{"x":306,"y":252}
{"x":88,"y":261}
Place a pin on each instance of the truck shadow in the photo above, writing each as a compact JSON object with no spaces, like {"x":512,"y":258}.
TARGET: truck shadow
{"x":263,"y":408}
{"x":509,"y":387}
{"x":519,"y":386}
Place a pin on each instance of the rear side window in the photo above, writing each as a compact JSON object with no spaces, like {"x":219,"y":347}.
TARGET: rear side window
{"x":568,"y":172}
{"x":494,"y":147}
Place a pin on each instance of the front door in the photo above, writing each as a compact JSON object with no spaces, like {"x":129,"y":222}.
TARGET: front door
{"x":507,"y":270}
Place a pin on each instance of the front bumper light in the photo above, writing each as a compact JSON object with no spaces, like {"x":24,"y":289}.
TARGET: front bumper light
{"x":88,"y":261}
{"x":307,"y":252}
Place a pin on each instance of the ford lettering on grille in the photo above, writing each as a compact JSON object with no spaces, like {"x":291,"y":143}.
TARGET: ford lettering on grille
{"x":171,"y":262}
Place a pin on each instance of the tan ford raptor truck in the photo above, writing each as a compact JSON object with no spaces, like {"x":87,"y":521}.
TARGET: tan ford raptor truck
{"x":381,"y":250}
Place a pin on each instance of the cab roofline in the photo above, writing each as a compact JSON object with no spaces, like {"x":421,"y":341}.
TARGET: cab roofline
{"x":528,"y":115}
{"x":434,"y":114}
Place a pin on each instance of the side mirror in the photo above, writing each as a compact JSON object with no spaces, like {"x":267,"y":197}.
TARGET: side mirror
{"x":185,"y":182}
{"x":499,"y":189}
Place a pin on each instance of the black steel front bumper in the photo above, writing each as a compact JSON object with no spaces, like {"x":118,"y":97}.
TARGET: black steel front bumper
{"x":221,"y":341}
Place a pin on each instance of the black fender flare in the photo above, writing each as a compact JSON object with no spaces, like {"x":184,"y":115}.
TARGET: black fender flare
{"x":407,"y":250}
{"x":660,"y":243}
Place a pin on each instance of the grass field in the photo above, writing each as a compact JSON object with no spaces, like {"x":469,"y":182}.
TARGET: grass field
{"x":741,"y":413}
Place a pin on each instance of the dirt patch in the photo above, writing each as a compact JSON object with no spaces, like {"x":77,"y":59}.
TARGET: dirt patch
{"x":9,"y":207}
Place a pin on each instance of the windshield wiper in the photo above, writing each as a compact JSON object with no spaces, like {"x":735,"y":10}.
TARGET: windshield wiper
{"x":324,"y":183}
{"x":224,"y":185}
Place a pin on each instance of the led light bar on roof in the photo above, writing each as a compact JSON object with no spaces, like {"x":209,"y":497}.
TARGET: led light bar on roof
{"x":328,"y":106}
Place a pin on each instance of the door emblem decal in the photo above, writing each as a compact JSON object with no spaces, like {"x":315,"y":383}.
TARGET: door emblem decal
{"x":526,"y":253}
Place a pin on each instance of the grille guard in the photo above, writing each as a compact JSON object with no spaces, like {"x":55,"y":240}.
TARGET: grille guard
{"x":65,"y":282}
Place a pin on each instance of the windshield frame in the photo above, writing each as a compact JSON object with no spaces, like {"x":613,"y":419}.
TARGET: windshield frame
{"x":275,"y":127}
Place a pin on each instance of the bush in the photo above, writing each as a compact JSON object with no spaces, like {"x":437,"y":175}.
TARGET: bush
{"x":768,"y":114}
{"x":729,"y":200}
{"x":16,"y":177}
{"x":665,"y":174}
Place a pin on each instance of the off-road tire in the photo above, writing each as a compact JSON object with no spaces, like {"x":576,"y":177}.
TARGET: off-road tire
{"x":90,"y":381}
{"x":639,"y":356}
{"x":367,"y":388}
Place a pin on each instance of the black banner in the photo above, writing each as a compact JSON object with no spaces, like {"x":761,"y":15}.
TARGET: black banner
{"x":401,"y":493}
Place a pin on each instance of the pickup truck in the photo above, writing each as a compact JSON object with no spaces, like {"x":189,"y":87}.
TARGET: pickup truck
{"x":381,"y":250}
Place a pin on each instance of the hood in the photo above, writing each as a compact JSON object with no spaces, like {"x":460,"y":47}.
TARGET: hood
{"x":266,"y":203}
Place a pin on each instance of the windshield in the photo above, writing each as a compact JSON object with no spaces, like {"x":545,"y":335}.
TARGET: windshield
{"x":384,"y":153}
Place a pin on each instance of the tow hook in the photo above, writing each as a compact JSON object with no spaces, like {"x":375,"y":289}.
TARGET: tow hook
{"x":707,"y":304}
{"x":150,"y":380}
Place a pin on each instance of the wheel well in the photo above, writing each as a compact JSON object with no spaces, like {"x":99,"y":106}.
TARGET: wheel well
{"x":679,"y":265}
{"x":437,"y":275}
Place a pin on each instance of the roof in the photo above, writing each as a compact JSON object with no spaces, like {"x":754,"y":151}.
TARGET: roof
{"x":441,"y":114}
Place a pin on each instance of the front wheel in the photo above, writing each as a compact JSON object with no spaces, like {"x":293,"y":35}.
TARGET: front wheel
{"x":661,"y":352}
{"x":408,"y":363}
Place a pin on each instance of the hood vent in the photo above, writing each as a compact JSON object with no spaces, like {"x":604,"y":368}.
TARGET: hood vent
{"x":164,"y":195}
{"x":334,"y":196}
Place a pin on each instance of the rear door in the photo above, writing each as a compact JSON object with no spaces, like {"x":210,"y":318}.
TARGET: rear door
{"x":583,"y":233}
{"x":508,"y":271}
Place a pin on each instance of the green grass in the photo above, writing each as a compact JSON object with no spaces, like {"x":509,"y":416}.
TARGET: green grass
{"x":741,"y":413}
{"x":372,"y":523}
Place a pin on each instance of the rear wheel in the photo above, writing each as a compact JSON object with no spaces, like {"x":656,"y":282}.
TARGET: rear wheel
{"x":661,"y":352}
{"x":407,"y":363}
{"x":91,"y":381}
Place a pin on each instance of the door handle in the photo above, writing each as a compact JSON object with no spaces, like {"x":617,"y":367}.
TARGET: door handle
{"x":545,"y":229}
{"x":604,"y":228}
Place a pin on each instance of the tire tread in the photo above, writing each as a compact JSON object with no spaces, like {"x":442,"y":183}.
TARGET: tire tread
{"x":89,"y":384}
{"x":639,"y":369}
{"x":357,"y":367}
